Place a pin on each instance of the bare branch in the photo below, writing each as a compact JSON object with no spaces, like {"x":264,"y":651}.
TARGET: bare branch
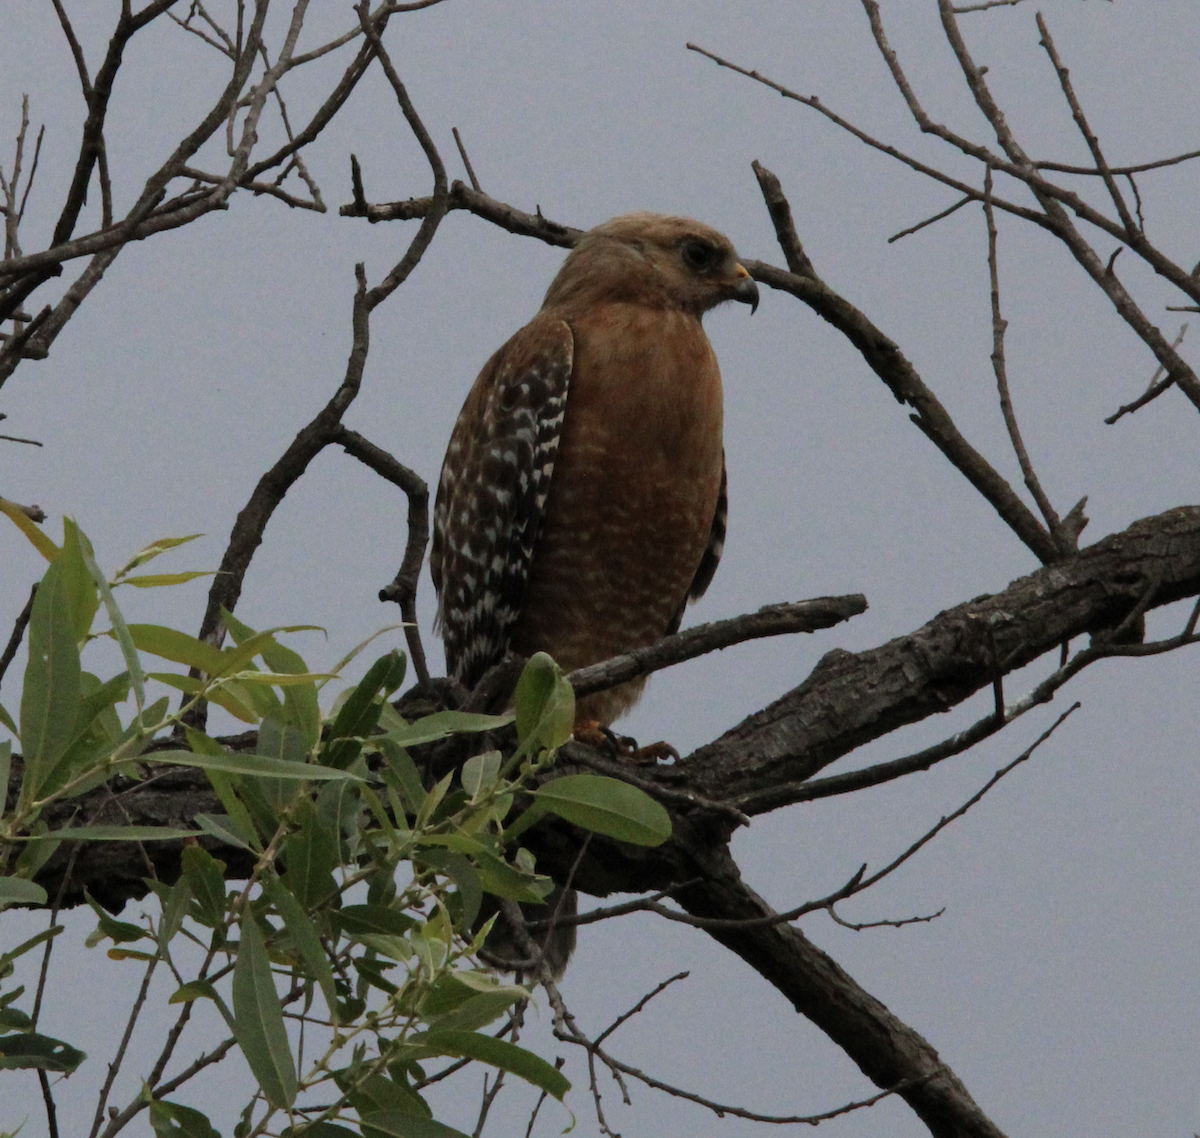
{"x":888,"y":362}
{"x":999,"y":366}
{"x":1158,"y":384}
{"x":1089,"y":136}
{"x":771,"y":620}
{"x":403,"y":589}
{"x":462,"y":153}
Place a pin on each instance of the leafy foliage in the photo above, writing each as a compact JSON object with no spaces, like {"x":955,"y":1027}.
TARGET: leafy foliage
{"x":359,"y":920}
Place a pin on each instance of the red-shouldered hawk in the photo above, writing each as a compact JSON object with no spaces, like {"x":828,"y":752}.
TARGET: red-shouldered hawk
{"x":582,"y":498}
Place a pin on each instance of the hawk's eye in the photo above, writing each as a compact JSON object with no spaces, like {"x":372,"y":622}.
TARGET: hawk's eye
{"x":700,"y":255}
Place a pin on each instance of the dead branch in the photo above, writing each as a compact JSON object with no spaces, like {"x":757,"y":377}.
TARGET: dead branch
{"x":771,"y":620}
{"x":403,"y":589}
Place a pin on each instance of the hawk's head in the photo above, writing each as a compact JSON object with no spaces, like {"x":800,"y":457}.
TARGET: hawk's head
{"x":656,"y":260}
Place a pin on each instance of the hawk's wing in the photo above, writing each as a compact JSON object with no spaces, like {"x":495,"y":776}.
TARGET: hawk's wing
{"x":492,"y":493}
{"x":707,"y":568}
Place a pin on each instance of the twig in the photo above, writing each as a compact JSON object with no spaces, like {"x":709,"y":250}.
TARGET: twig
{"x":14,"y":640}
{"x":945,"y":821}
{"x":985,"y":5}
{"x":858,"y":927}
{"x":1093,"y":143}
{"x":1156,"y":387}
{"x":999,"y":366}
{"x":462,"y":151}
{"x":929,"y":220}
{"x":772,"y":620}
{"x":403,"y":589}
{"x":901,"y":378}
{"x":625,"y":1017}
{"x":440,"y":204}
{"x":114,"y":1067}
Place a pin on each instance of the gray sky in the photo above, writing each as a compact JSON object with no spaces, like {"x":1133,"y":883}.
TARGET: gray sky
{"x":1060,"y":984}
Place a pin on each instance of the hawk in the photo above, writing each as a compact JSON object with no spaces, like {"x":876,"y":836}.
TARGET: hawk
{"x":582,"y":498}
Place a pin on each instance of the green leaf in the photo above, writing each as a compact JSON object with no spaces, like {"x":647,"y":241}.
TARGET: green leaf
{"x":120,"y":630}
{"x":497,"y":1053}
{"x":115,"y":834}
{"x":173,"y":1120}
{"x":77,"y":580}
{"x":232,"y":697}
{"x":460,"y":870}
{"x":51,"y":697}
{"x":171,"y":644}
{"x":480,"y":773}
{"x":299,"y":698}
{"x":175,"y":905}
{"x":319,"y":1130}
{"x":258,"y":1019}
{"x":303,"y":935}
{"x":119,"y":932}
{"x":222,"y":827}
{"x":310,"y":855}
{"x":27,"y":1050}
{"x":480,"y":1009}
{"x":362,"y":920}
{"x":545,"y":705}
{"x":152,"y":550}
{"x":193,"y":990}
{"x":26,"y":946}
{"x":8,"y":722}
{"x":607,"y":806}
{"x":360,"y":713}
{"x":29,"y":528}
{"x":377,"y":1092}
{"x":393,"y":1124}
{"x":16,"y":890}
{"x":406,"y":776}
{"x":442,"y":724}
{"x":206,"y":877}
{"x":159,"y":580}
{"x":238,"y":763}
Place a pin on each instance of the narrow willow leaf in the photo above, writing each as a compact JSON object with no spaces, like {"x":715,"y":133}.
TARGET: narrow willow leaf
{"x":303,"y":934}
{"x":235,"y":763}
{"x":393,"y":1124}
{"x":193,"y":990}
{"x":77,"y":580}
{"x":179,"y":647}
{"x":442,"y":724}
{"x":51,"y":698}
{"x":258,"y":1019}
{"x":206,"y":877}
{"x":607,"y":806}
{"x":120,"y":630}
{"x":160,"y":580}
{"x":115,"y":834}
{"x":154,"y":549}
{"x":497,"y":1053}
{"x":29,"y":528}
{"x":362,"y":920}
{"x":360,"y":713}
{"x":222,"y":828}
{"x":478,"y":1010}
{"x":299,"y":697}
{"x":27,"y":1050}
{"x":18,"y":890}
{"x":174,"y":1120}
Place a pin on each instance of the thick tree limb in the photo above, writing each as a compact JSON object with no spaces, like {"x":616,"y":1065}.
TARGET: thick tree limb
{"x":852,"y":698}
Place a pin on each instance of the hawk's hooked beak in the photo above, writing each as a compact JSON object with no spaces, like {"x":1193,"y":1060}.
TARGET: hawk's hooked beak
{"x":746,"y":290}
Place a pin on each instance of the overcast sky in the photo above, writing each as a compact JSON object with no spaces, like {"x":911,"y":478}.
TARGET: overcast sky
{"x":1061,"y":982}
